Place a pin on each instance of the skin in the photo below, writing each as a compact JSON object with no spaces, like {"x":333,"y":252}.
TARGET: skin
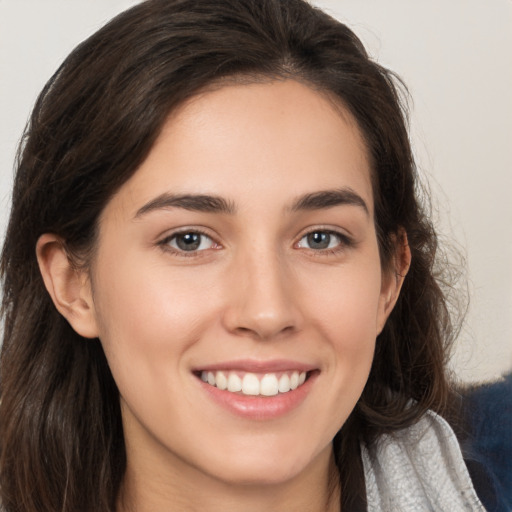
{"x":256,"y":289}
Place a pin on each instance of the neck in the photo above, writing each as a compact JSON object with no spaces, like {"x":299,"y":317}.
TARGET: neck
{"x":316,"y":490}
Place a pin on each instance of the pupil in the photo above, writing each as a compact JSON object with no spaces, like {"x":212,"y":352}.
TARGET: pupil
{"x":188,"y":241}
{"x":319,"y":240}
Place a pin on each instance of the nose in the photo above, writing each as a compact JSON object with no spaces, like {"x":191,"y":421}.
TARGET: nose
{"x":261,"y":303}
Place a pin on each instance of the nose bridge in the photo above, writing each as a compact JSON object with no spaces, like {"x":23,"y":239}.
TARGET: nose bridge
{"x":261,"y":301}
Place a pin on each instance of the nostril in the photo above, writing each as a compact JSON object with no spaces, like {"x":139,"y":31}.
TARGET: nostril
{"x":264,"y":332}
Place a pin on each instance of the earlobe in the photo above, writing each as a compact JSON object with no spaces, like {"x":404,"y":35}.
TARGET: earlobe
{"x":68,"y":287}
{"x":393,"y":280}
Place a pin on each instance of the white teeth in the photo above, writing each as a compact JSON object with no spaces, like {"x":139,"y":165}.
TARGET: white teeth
{"x":269,"y":385}
{"x":234,"y":383}
{"x":294,"y":380}
{"x":221,"y":380}
{"x":251,"y":385}
{"x":284,"y":383}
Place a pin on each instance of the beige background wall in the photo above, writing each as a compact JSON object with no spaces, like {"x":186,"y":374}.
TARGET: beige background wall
{"x":455,"y":57}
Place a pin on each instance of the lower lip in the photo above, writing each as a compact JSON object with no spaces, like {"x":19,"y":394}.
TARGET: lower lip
{"x":260,"y":407}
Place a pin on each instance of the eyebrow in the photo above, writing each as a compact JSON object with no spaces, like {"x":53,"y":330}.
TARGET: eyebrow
{"x":216,"y":204}
{"x":194,"y":202}
{"x":328,"y":199}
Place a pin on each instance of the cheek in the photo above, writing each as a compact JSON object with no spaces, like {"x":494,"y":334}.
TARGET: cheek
{"x":346,"y":303}
{"x":152,"y":317}
{"x":148,"y":320}
{"x":344,"y":309}
{"x":349,"y":323}
{"x":146,"y":316}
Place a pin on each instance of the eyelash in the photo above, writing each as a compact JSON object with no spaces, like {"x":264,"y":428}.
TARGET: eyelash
{"x":165,"y":243}
{"x":344,"y":242}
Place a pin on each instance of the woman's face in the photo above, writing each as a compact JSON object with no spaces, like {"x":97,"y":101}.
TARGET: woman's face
{"x":242,"y":252}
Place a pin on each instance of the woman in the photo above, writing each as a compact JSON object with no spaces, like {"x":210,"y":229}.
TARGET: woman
{"x":219,"y":283}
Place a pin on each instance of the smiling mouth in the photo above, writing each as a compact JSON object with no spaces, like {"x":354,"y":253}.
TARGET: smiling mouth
{"x":255,"y":384}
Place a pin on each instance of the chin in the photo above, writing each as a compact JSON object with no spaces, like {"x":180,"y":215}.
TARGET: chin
{"x":263,"y":475}
{"x":266,"y":466}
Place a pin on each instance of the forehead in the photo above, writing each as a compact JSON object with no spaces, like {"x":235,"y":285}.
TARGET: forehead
{"x":273,"y":140}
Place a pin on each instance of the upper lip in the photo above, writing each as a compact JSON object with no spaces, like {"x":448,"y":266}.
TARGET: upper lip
{"x":255,"y":366}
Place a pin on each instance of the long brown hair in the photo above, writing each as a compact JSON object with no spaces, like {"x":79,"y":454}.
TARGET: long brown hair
{"x":61,"y":437}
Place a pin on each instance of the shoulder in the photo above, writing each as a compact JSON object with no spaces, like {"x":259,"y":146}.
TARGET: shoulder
{"x":418,"y":468}
{"x":487,"y":446}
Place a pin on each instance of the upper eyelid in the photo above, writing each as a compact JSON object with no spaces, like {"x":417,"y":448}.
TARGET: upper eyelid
{"x":343,"y":233}
{"x":164,"y":243}
{"x":345,"y":241}
{"x":169,"y":234}
{"x":342,"y":237}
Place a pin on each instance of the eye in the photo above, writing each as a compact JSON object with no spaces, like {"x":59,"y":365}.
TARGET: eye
{"x":321,"y":240}
{"x":190,"y":241}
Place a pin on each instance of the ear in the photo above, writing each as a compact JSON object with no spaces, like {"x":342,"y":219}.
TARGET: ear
{"x":393,"y":278}
{"x":69,"y":288}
